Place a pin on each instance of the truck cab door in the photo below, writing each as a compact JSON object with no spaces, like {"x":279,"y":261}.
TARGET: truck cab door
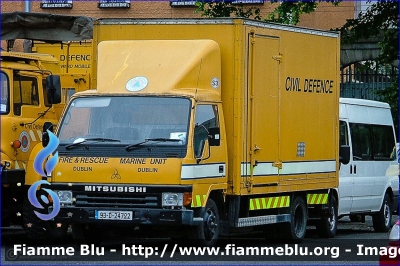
{"x":209,"y":147}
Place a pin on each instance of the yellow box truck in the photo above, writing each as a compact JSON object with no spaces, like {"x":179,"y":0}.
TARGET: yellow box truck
{"x":73,"y":57}
{"x":201,"y":128}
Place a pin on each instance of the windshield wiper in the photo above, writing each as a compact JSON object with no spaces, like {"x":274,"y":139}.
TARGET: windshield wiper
{"x":129,"y":147}
{"x":70,"y":146}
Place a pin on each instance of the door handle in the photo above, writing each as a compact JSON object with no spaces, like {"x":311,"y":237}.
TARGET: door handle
{"x":277,"y":164}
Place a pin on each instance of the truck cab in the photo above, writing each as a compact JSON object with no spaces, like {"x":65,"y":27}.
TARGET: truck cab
{"x":24,"y":108}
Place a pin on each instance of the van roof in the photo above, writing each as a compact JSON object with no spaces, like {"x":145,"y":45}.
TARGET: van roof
{"x":364,"y":102}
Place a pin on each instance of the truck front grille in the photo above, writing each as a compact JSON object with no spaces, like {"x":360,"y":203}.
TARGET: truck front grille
{"x":116,"y":200}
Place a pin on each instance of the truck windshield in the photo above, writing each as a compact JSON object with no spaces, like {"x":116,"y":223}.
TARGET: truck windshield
{"x":126,"y":120}
{"x":5,"y":99}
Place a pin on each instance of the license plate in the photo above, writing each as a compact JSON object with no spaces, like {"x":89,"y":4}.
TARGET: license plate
{"x":113,"y":215}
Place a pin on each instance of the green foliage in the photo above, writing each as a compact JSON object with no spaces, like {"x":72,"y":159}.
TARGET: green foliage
{"x":380,"y":20}
{"x":287,"y":12}
{"x":215,"y":9}
{"x":390,"y":95}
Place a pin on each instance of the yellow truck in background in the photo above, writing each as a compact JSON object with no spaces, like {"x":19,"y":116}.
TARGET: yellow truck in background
{"x":201,"y":128}
{"x":34,"y":90}
{"x":73,"y":57}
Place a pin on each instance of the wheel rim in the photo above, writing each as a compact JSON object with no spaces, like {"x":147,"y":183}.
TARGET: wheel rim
{"x":210,"y":225}
{"x":386,"y":213}
{"x":299,"y":223}
{"x":332,"y":219}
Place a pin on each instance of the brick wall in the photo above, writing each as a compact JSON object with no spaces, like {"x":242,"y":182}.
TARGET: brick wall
{"x":325,"y":17}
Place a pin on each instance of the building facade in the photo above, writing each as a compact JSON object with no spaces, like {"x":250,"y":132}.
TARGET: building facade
{"x":325,"y":17}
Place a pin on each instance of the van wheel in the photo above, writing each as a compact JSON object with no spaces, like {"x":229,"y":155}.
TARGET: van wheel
{"x":295,"y":230}
{"x":383,"y":219}
{"x":206,"y":233}
{"x":327,"y":226}
{"x":86,"y":234}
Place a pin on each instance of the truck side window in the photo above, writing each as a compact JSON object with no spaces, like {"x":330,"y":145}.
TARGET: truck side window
{"x":25,"y":92}
{"x":46,"y":99}
{"x":5,"y":107}
{"x":206,"y":117}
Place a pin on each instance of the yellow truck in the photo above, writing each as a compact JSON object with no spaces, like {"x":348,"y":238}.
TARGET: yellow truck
{"x":26,"y":104}
{"x":73,"y":57}
{"x":201,"y":128}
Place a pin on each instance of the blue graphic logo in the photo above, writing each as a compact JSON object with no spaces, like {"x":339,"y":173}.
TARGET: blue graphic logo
{"x":38,"y":198}
{"x":35,"y":202}
{"x":43,"y":154}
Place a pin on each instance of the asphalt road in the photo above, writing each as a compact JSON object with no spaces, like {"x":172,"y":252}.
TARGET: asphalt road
{"x":354,"y":244}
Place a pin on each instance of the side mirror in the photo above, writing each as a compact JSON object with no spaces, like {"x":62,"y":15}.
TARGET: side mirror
{"x":214,"y":136}
{"x":344,"y":154}
{"x":45,"y":135}
{"x":53,"y":89}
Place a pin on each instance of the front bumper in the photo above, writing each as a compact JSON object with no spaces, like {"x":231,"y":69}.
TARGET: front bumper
{"x":85,"y":215}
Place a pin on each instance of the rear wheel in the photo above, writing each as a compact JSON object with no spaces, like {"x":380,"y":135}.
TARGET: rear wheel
{"x":327,"y":226}
{"x":206,"y":233}
{"x":383,"y":219}
{"x":295,"y":231}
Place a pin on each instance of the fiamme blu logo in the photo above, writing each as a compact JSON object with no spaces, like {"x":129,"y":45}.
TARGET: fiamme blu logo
{"x":38,"y":197}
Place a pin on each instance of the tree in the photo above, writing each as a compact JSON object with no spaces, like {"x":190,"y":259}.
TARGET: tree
{"x":379,"y":20}
{"x":287,"y":12}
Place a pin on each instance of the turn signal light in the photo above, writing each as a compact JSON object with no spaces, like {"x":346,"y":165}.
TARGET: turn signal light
{"x":187,"y":198}
{"x":16,"y":144}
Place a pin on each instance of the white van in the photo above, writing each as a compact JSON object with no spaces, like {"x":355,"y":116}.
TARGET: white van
{"x":368,"y":184}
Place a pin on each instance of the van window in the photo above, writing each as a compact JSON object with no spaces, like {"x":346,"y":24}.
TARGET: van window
{"x":361,"y":141}
{"x":383,"y":142}
{"x":344,"y":137}
{"x":371,"y":142}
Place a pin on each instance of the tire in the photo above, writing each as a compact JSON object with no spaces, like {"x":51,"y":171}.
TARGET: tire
{"x":327,"y":226}
{"x":382,"y":221}
{"x":86,"y":234}
{"x":295,"y":230}
{"x":206,"y":234}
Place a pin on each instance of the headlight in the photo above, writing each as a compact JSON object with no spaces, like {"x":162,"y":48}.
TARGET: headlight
{"x":172,"y":199}
{"x":65,"y":196}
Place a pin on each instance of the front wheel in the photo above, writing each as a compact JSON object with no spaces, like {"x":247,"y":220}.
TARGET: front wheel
{"x":327,"y":226}
{"x":206,"y":233}
{"x":383,"y":219}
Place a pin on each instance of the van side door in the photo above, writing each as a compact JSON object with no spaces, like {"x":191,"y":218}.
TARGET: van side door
{"x":365,"y":192}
